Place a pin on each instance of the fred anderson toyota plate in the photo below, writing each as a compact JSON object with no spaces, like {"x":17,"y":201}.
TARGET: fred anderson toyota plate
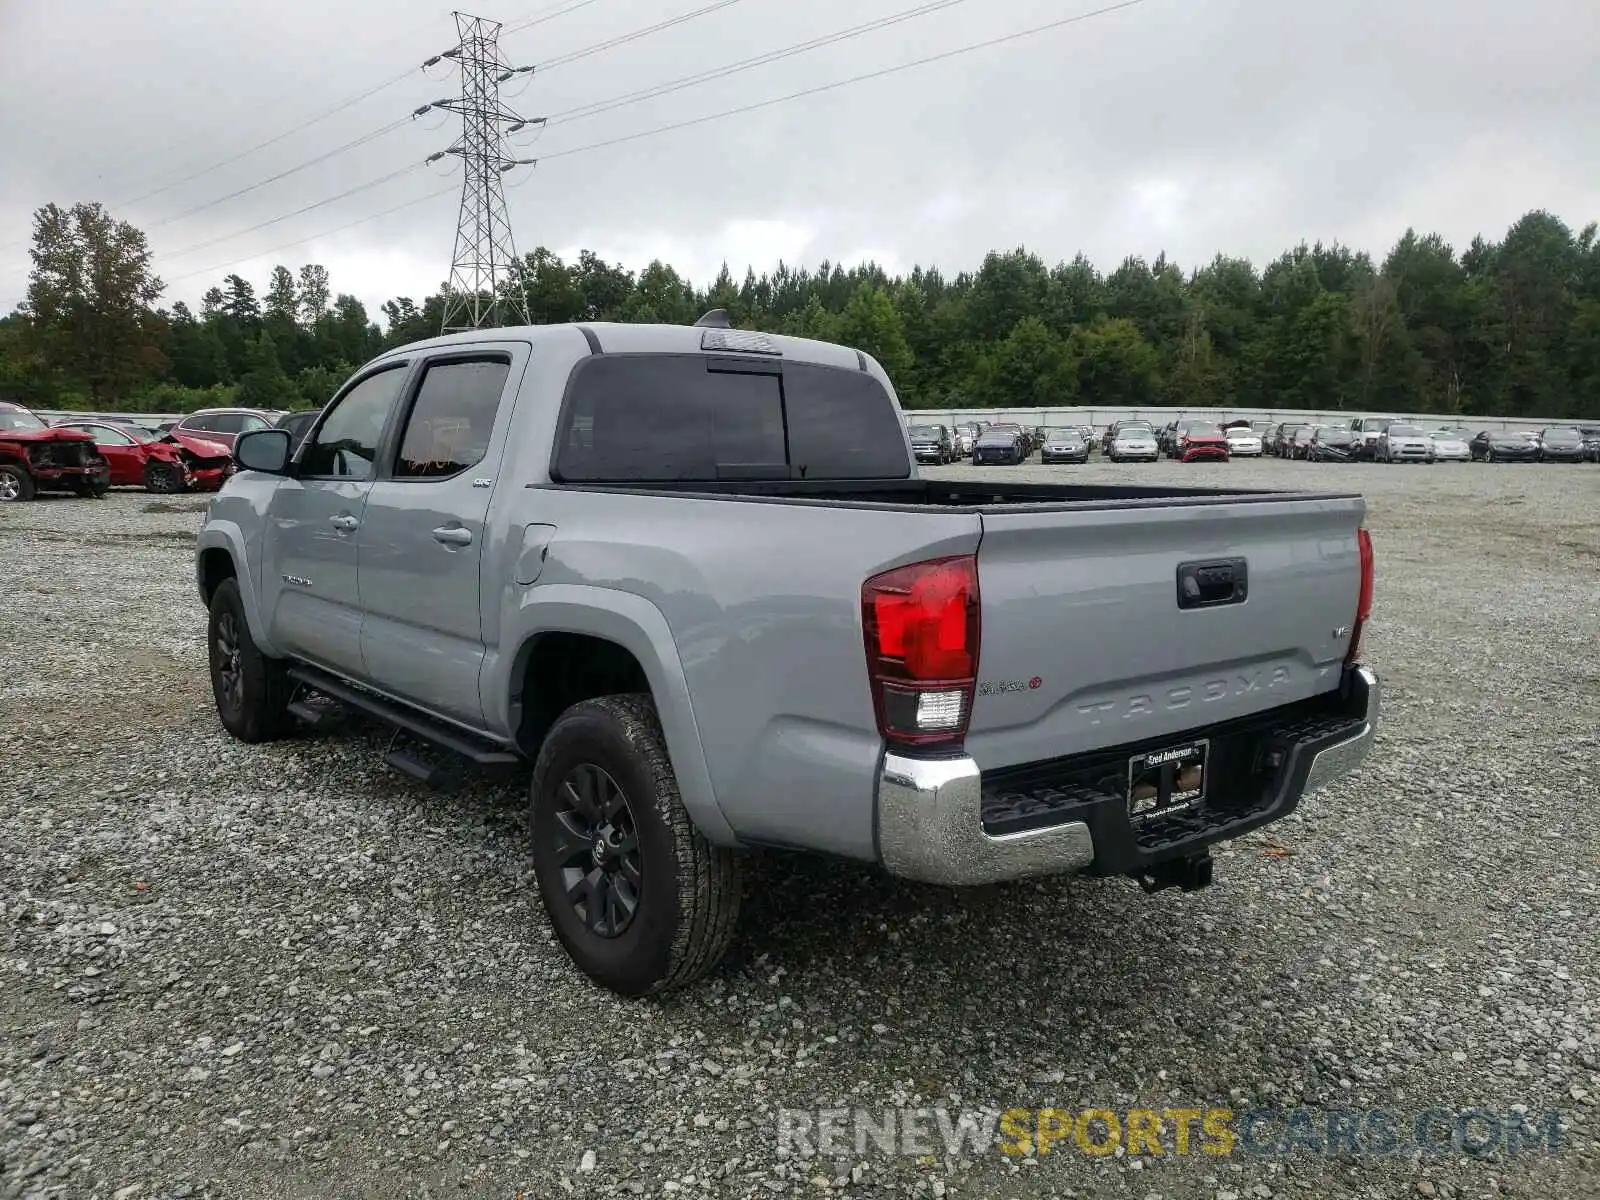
{"x":1166,"y":781}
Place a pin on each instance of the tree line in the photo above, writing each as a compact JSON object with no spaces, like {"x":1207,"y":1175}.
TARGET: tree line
{"x":1507,"y":328}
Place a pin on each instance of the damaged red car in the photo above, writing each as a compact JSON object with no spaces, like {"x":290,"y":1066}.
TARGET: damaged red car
{"x":36,"y":458}
{"x":174,"y":461}
{"x":1203,"y":442}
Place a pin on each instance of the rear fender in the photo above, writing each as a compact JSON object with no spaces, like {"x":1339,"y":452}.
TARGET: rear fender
{"x":638,"y":626}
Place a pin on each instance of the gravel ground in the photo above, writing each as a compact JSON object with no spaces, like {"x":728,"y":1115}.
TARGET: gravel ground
{"x":285,"y":971}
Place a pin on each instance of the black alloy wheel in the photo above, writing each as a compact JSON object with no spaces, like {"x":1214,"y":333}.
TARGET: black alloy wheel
{"x":227,"y":664}
{"x":251,"y":690}
{"x":596,"y":849}
{"x":639,"y":899}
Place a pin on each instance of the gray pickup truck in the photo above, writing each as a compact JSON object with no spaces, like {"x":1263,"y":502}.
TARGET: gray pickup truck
{"x":687,"y":582}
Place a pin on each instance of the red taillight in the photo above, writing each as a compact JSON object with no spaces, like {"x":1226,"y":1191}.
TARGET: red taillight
{"x":921,"y":627}
{"x":1364,"y":599}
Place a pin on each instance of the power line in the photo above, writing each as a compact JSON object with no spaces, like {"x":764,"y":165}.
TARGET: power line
{"x":295,"y":170}
{"x":584,"y":111}
{"x":548,"y":15}
{"x":574,"y":56}
{"x":253,"y":149}
{"x":363,"y":187}
{"x":393,"y":125}
{"x":271,"y":141}
{"x":434,"y":195}
{"x":636,"y":35}
{"x":706,"y":119}
{"x":862,"y":78}
{"x":562,"y":60}
{"x":180,"y":143}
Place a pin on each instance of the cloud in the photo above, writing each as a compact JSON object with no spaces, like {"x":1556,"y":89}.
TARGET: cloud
{"x":1190,"y":126}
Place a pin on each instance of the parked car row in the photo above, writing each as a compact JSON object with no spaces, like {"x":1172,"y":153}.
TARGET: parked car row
{"x":89,"y":455}
{"x":1362,"y":439}
{"x":1385,"y":440}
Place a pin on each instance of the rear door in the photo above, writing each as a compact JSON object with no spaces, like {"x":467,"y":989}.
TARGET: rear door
{"x":422,"y":534}
{"x":1085,"y":643}
{"x":309,"y":581}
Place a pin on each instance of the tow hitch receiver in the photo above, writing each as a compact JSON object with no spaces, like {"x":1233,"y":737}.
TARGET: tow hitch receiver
{"x":1191,"y":873}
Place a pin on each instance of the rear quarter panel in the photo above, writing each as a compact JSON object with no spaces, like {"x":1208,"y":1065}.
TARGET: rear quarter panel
{"x":763,"y":601}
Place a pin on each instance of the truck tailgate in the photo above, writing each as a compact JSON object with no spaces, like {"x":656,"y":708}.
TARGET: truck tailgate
{"x":1084,"y":643}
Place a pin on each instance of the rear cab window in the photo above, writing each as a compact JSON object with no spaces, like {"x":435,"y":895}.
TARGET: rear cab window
{"x":662,"y":418}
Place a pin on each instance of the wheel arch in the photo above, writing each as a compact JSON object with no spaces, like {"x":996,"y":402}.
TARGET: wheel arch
{"x":582,"y":637}
{"x":220,"y":554}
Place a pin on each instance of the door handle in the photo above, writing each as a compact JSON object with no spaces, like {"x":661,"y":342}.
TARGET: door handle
{"x":345,"y":523}
{"x":452,"y":535}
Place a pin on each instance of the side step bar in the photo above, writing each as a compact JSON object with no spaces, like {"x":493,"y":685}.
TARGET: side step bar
{"x":399,"y":717}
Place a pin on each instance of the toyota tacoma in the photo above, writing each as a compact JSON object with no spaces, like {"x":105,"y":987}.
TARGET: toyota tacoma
{"x":686,"y":583}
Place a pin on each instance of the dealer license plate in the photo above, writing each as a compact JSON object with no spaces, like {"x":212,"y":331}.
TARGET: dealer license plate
{"x":1166,"y":780}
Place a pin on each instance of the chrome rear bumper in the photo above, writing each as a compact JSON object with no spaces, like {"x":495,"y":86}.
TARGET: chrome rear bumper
{"x":930,"y":823}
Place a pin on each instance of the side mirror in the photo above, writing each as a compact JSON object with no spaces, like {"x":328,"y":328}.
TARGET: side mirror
{"x":265,"y":450}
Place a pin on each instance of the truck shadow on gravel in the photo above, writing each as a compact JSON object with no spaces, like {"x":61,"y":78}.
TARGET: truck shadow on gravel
{"x":1040,"y":955}
{"x":960,"y":951}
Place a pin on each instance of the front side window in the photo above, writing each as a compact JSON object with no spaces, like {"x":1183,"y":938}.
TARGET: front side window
{"x":249,"y":423}
{"x":450,"y":422}
{"x":104,"y":435}
{"x":346,"y":447}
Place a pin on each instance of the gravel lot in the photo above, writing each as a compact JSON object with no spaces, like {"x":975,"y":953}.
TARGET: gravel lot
{"x":286,"y":971}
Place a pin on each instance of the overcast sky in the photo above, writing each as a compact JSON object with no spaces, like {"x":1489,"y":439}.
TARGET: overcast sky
{"x":1190,"y":126}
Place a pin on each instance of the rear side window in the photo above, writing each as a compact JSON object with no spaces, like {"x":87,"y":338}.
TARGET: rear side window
{"x":451,"y":420}
{"x":663,"y":418}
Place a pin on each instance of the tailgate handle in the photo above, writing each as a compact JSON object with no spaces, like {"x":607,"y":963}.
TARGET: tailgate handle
{"x":1212,"y":584}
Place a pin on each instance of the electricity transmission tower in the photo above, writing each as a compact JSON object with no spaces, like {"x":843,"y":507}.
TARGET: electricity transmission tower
{"x":485,"y":287}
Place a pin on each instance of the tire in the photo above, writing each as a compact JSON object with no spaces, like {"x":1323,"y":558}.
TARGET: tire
{"x":254,"y":704}
{"x":685,"y":891}
{"x":165,"y":478}
{"x":91,"y":490}
{"x":16,"y":485}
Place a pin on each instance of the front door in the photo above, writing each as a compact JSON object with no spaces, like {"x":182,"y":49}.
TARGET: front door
{"x":423,"y":531}
{"x":122,"y":453}
{"x":309,"y":579}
